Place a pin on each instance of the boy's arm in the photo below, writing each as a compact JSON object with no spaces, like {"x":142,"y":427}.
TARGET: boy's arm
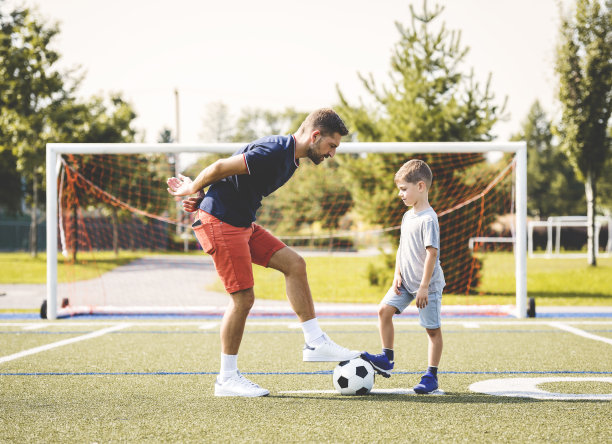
{"x":428,"y":268}
{"x":222,"y":168}
{"x":397,"y":276}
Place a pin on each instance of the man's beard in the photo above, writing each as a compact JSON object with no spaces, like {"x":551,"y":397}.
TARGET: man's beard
{"x":313,"y":152}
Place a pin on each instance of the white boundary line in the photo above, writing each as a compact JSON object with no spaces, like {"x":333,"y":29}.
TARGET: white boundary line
{"x":42,"y":348}
{"x":577,"y":331}
{"x":528,"y":388}
{"x":397,"y":391}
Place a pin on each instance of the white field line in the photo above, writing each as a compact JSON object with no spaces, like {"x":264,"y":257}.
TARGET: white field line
{"x":42,"y":348}
{"x":579,"y":332}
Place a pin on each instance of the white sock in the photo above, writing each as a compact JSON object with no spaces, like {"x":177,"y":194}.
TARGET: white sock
{"x":312,"y":331}
{"x":229,"y":366}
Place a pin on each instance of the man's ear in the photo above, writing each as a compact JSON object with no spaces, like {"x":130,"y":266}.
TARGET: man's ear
{"x":314,"y":134}
{"x":422,"y":187}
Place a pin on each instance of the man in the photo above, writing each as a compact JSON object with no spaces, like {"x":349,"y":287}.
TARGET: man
{"x":226,"y":230}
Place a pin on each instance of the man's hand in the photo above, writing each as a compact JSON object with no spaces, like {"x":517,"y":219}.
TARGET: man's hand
{"x":421,"y":297}
{"x":191,"y":204}
{"x":181,"y":186}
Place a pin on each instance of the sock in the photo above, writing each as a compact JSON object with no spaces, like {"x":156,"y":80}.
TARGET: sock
{"x":433,"y":370}
{"x":229,"y":366}
{"x":388,"y":353}
{"x":312,"y":332}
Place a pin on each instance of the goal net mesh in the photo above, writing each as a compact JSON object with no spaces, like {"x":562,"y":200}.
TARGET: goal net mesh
{"x":115,"y":208}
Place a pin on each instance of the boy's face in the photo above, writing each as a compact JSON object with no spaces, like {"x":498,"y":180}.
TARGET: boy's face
{"x":410,"y":192}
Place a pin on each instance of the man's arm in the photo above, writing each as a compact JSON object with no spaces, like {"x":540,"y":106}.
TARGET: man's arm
{"x":222,"y":168}
{"x":428,"y":269}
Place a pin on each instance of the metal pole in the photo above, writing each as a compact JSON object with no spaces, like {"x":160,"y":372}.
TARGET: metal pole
{"x":181,"y":216}
{"x":520,"y":252}
{"x":51,"y":159}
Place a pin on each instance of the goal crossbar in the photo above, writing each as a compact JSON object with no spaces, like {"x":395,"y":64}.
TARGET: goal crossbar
{"x":54,"y":150}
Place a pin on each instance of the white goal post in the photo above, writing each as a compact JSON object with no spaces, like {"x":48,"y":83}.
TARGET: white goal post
{"x":55,"y":150}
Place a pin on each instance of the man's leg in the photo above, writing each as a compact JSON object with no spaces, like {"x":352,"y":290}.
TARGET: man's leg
{"x":230,"y":382}
{"x":319,"y":347}
{"x":293,"y":266}
{"x":234,"y":320}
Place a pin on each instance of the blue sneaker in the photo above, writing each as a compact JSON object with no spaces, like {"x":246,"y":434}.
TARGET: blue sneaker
{"x":380,"y":362}
{"x":428,"y":384}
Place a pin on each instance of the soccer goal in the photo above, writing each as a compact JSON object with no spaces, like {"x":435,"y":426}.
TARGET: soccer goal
{"x":108,"y":204}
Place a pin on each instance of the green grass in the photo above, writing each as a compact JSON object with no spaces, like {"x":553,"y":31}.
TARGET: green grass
{"x":558,"y":282}
{"x":561,"y":282}
{"x":135,"y":385}
{"x":21,"y":268}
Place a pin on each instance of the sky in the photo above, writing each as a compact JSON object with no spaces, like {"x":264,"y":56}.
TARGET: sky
{"x":274,"y":54}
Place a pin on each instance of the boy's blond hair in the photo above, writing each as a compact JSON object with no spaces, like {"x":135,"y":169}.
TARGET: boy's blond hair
{"x":414,"y":171}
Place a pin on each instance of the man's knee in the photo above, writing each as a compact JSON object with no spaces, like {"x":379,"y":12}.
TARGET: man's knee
{"x":243,"y":299}
{"x":296,"y":266}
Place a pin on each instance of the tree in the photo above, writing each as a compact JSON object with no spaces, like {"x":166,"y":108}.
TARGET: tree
{"x":98,"y":120}
{"x":32,"y":89}
{"x":553,"y":189}
{"x":217,"y":123}
{"x":254,"y":123}
{"x":584,"y":65}
{"x":428,"y":99}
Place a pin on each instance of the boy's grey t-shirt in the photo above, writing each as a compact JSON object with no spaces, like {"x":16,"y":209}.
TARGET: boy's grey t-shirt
{"x":419,"y":231}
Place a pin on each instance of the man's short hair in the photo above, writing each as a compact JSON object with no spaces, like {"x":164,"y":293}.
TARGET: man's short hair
{"x":414,"y":171}
{"x":325,"y":120}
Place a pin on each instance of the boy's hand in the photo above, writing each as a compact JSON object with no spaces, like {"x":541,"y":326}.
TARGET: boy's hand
{"x":421,"y":298}
{"x":397,"y":282}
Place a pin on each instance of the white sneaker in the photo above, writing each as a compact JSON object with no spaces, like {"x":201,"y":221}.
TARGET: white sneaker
{"x":238,"y":385}
{"x":328,"y":351}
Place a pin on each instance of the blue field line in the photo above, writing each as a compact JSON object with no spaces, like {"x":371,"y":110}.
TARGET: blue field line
{"x":30,"y":316}
{"x":313,"y":373}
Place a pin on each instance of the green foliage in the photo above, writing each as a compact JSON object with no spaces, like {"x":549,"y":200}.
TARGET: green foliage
{"x":552,"y":187}
{"x":584,"y":65}
{"x":32,"y":90}
{"x":429,"y":99}
{"x":255,"y":123}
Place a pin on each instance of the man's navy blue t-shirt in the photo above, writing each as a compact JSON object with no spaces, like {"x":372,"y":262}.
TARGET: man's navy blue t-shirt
{"x":271,"y":162}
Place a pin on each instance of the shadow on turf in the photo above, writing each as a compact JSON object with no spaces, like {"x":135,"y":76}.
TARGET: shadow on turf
{"x":448,"y":398}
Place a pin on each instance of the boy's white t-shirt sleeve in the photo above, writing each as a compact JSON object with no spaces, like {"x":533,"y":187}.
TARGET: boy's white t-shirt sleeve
{"x":431,"y":234}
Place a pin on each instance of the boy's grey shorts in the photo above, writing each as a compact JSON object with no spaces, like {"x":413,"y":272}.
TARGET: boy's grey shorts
{"x":429,"y":317}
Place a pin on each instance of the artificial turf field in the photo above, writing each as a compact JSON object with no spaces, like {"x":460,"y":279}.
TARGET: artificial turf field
{"x":137,"y":380}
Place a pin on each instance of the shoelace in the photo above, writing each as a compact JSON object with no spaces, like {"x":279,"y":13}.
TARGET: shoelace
{"x":246,"y":382}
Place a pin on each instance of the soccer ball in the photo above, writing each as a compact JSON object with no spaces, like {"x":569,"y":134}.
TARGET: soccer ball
{"x":354,"y":377}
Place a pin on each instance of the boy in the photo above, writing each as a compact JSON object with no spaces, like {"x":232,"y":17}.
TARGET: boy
{"x":418,"y":274}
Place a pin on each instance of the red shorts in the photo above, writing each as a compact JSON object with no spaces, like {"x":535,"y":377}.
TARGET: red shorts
{"x":235,"y":249}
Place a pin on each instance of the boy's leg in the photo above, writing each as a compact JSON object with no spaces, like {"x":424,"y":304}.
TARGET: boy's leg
{"x":383,"y":362}
{"x":430,"y":318}
{"x":434,"y":351}
{"x":319,"y":347}
{"x":385,"y":325}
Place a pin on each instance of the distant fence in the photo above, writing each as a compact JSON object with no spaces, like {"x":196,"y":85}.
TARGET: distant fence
{"x":15,"y":235}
